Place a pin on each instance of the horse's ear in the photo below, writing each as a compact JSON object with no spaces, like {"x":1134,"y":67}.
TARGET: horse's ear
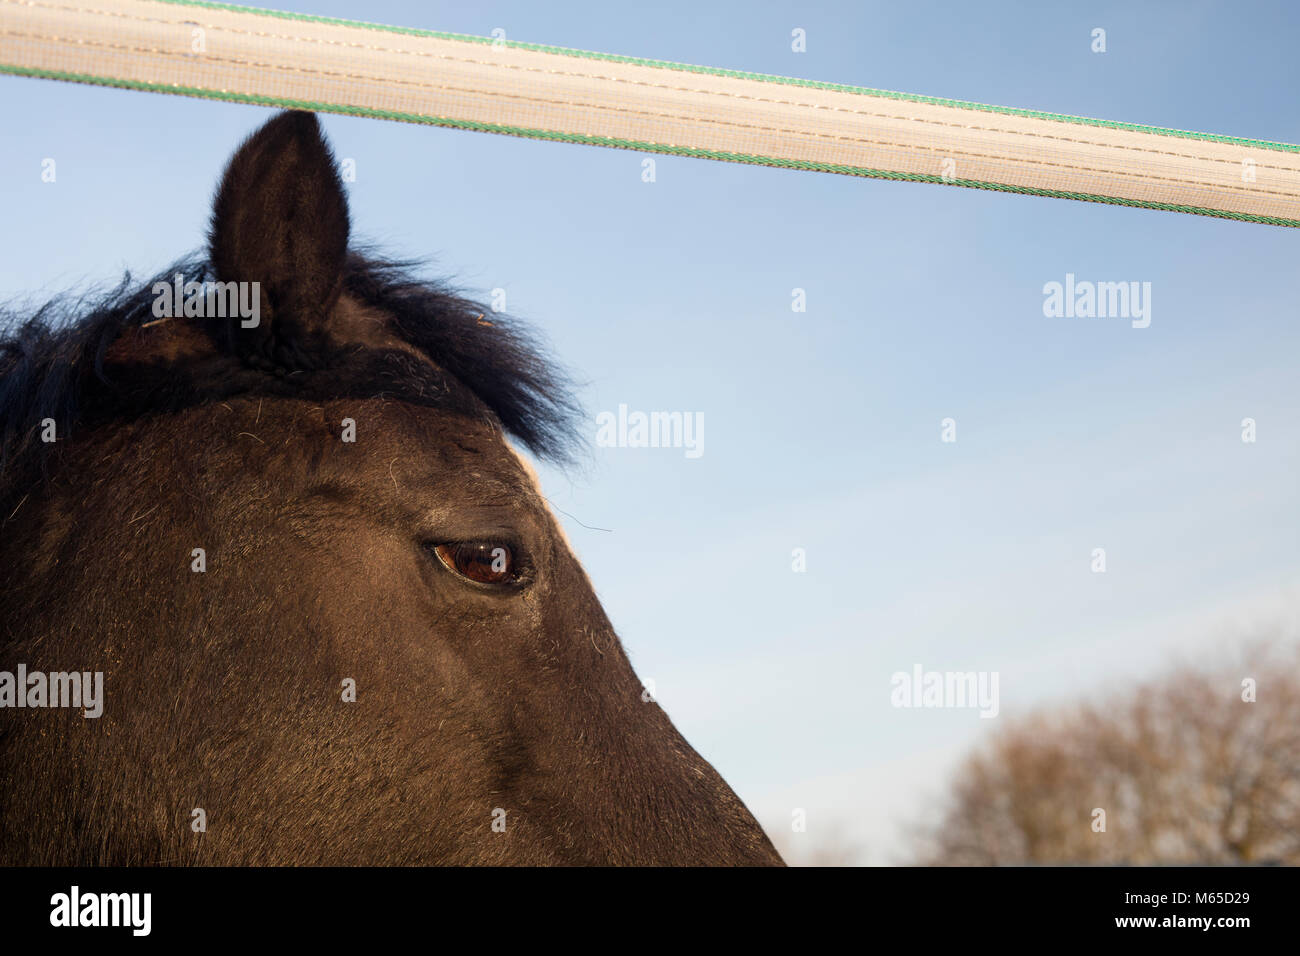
{"x":280,"y":219}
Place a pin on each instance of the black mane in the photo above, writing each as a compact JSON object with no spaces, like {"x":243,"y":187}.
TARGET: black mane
{"x":53,"y":365}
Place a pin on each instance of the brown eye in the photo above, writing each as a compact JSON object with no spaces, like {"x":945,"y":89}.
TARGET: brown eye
{"x":481,"y":561}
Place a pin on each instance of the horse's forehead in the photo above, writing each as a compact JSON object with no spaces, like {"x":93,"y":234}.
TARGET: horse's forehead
{"x":535,"y":486}
{"x":362,"y":439}
{"x":429,"y":445}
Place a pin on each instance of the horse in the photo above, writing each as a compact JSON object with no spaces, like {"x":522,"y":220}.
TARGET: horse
{"x":273,"y":500}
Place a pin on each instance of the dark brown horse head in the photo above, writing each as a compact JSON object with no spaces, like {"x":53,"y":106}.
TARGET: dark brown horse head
{"x":273,"y":502}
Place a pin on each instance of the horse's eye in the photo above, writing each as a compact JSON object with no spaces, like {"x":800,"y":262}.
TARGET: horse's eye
{"x":482,"y":561}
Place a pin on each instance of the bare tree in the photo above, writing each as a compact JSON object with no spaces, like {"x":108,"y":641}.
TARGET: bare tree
{"x":1187,"y":769}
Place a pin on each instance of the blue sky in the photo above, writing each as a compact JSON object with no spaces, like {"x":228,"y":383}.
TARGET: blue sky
{"x":822,"y":427}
